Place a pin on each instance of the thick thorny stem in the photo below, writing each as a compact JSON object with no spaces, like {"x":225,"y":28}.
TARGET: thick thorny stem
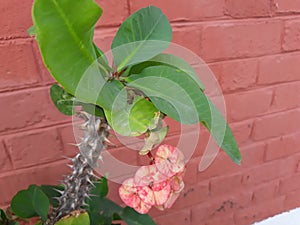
{"x":79,"y":183}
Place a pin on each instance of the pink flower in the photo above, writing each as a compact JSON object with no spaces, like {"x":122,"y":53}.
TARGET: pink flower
{"x":129,"y":194}
{"x":158,"y":184}
{"x":169,"y":160}
{"x":150,"y":177}
{"x":177,"y":185}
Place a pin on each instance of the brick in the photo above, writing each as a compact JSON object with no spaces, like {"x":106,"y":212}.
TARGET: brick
{"x":252,"y":154}
{"x":251,"y":8}
{"x":287,"y":6}
{"x":17,"y":65}
{"x":228,"y":40}
{"x":192,"y":195}
{"x":178,"y":10}
{"x":187,"y":37}
{"x":114,"y":12}
{"x":18,"y":180}
{"x":5,"y":162}
{"x":199,"y":213}
{"x":269,"y":171}
{"x":68,"y":140}
{"x":15,"y":18}
{"x":117,"y":166}
{"x":265,"y":192}
{"x":286,"y":96}
{"x":191,"y":172}
{"x":189,"y":142}
{"x":43,"y":71}
{"x":226,"y":185}
{"x":292,"y":200}
{"x":34,"y":147}
{"x":276,"y":124}
{"x":291,"y":35}
{"x":261,"y":211}
{"x":235,"y":75}
{"x":242,"y":131}
{"x":103,"y":38}
{"x":33,"y":108}
{"x":282,"y":147}
{"x":291,"y":183}
{"x":221,"y":166}
{"x":224,"y":220}
{"x":217,"y":208}
{"x":51,"y":113}
{"x":21,"y":102}
{"x":249,"y":104}
{"x":182,"y":217}
{"x":272,"y":68}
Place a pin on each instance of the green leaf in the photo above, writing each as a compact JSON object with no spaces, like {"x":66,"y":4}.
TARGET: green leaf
{"x":134,"y":119}
{"x":3,"y":218}
{"x":100,"y":188}
{"x":31,"y":31}
{"x":52,"y":193}
{"x":81,"y":219}
{"x":167,"y":60}
{"x":92,"y":109}
{"x":143,"y":35}
{"x":30,"y":203}
{"x":65,"y":39}
{"x":111,"y":91}
{"x":176,"y":94}
{"x":63,"y":101}
{"x":103,"y":211}
{"x":131,"y":217}
{"x":101,"y":56}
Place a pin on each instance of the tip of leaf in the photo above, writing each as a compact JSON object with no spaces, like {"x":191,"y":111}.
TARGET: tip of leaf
{"x":31,"y":31}
{"x":237,"y":160}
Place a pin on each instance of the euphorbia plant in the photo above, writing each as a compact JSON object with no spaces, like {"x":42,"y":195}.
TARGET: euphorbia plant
{"x":130,"y":95}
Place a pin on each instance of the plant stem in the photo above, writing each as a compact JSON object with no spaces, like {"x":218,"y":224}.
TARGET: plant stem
{"x":79,"y":183}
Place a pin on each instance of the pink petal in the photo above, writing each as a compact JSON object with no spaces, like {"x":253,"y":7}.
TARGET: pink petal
{"x":146,"y":195}
{"x":177,"y":183}
{"x":142,"y":208}
{"x":161,"y":192}
{"x":148,"y":175}
{"x":128,"y":193}
{"x":173,"y":197}
{"x":169,"y":160}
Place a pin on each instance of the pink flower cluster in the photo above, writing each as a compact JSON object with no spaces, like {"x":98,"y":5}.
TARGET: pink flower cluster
{"x":158,"y":184}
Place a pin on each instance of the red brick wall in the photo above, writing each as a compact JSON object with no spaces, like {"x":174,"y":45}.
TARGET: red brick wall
{"x":252,"y":46}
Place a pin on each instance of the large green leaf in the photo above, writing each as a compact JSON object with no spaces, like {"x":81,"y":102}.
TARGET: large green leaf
{"x":65,"y":39}
{"x":134,"y":119}
{"x":100,"y":188}
{"x":143,"y":35}
{"x":81,"y":219}
{"x":103,"y":211}
{"x":63,"y":101}
{"x":177,"y":94}
{"x":52,"y":193}
{"x":167,"y":60}
{"x":3,"y":218}
{"x":131,"y":217}
{"x":30,"y":203}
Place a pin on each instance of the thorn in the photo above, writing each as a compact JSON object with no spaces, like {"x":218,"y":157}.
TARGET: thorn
{"x":109,"y":142}
{"x":66,"y":157}
{"x":59,"y":191}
